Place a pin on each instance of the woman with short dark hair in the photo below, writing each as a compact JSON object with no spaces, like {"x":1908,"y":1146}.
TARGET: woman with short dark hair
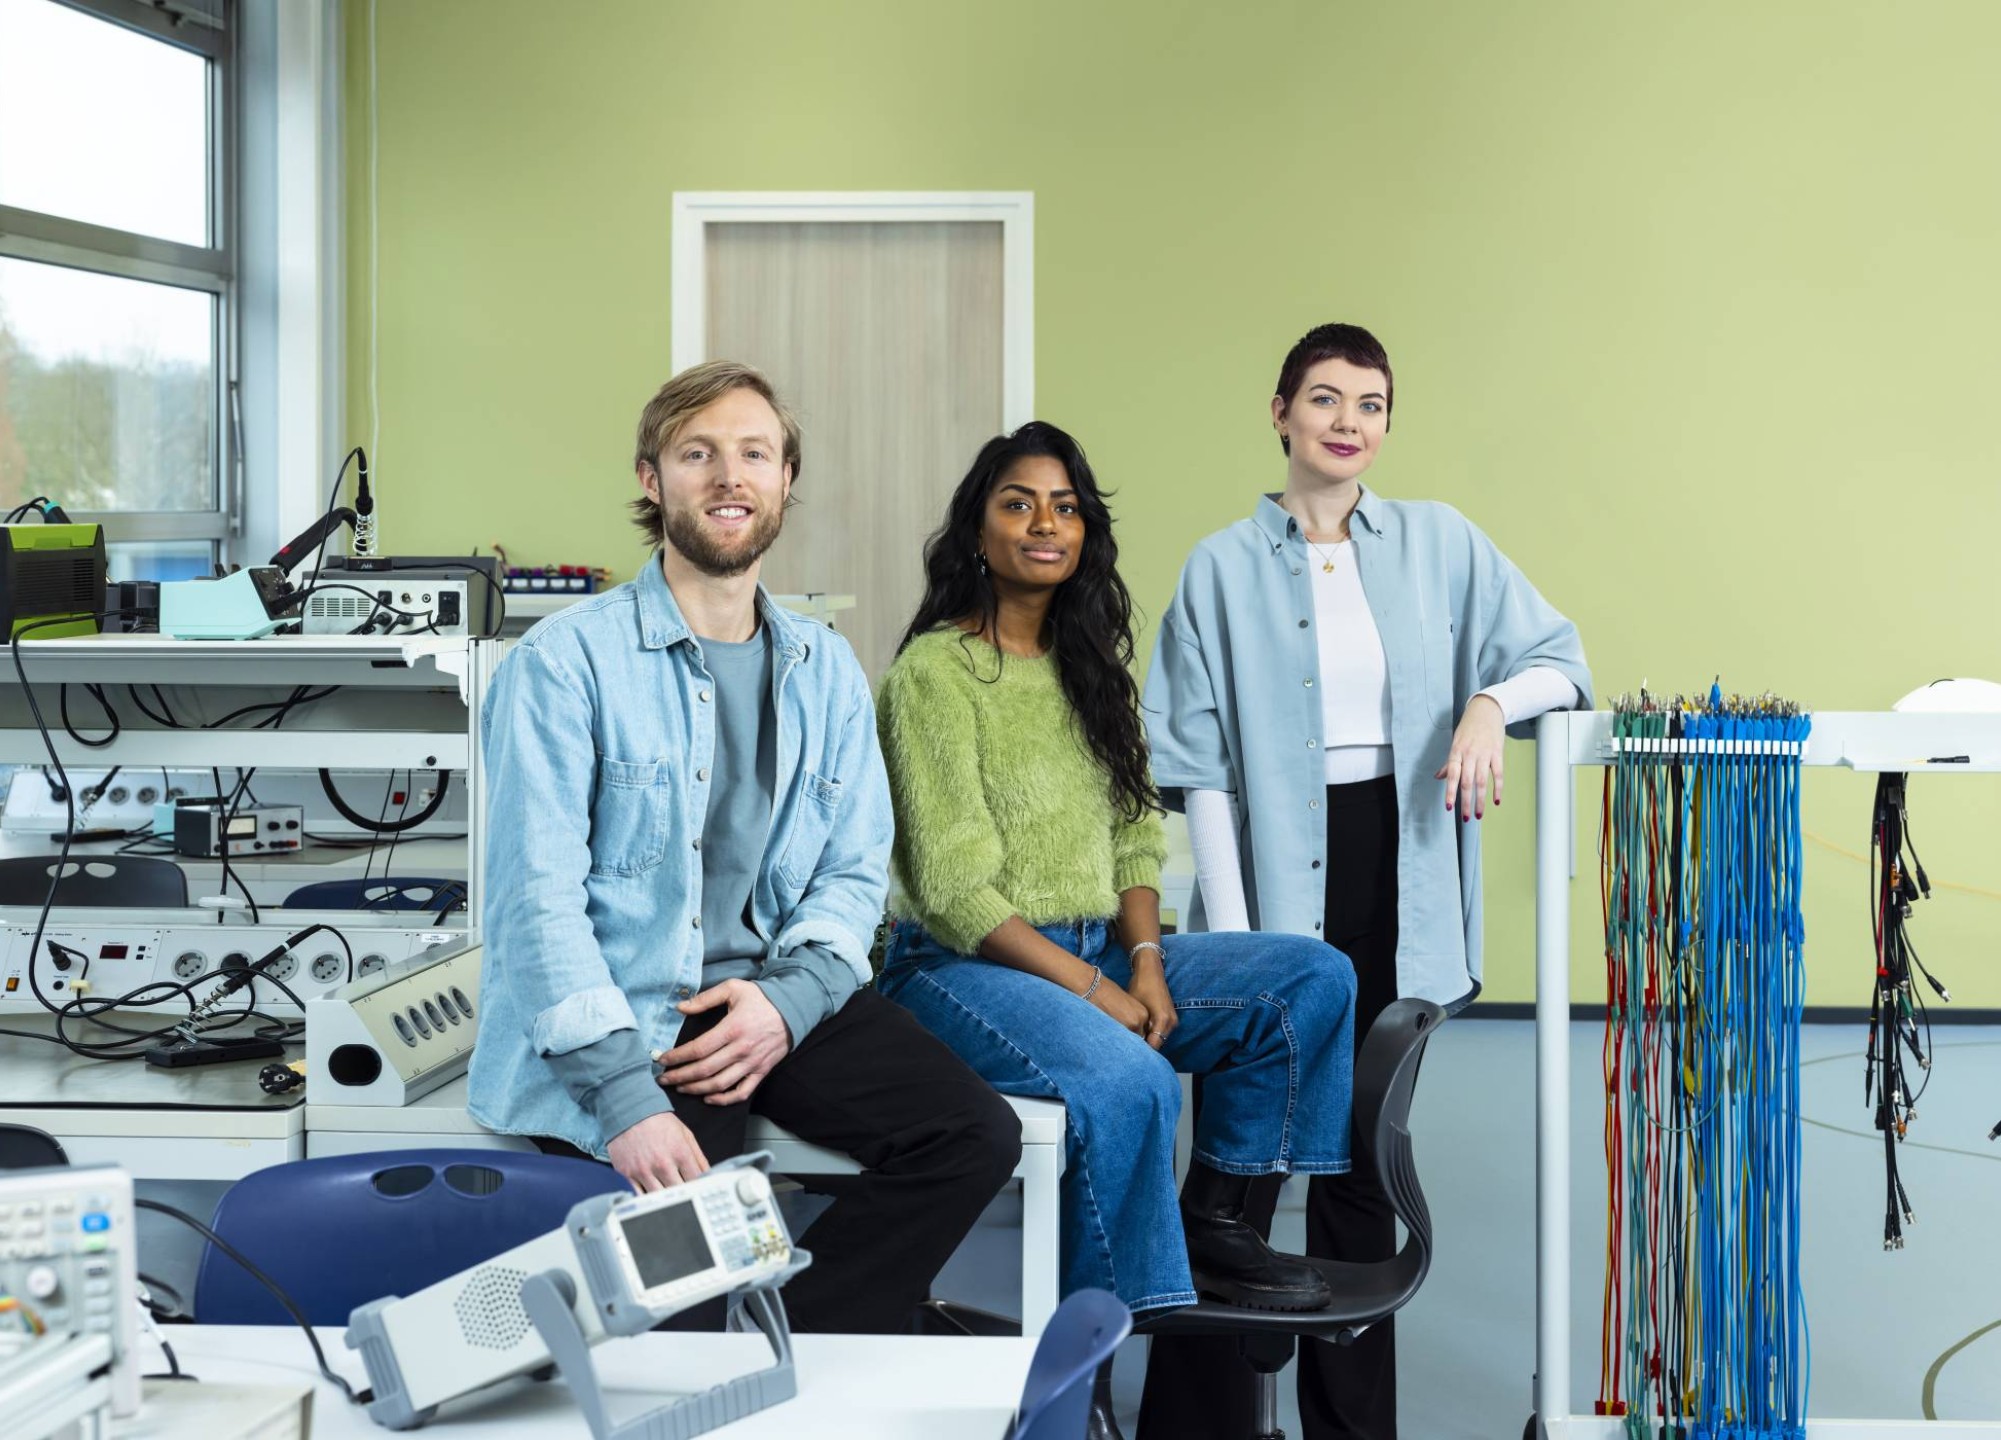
{"x":1322,"y":663}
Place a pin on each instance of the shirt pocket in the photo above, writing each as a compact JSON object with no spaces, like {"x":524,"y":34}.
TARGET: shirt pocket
{"x":812,"y":823}
{"x":629,"y":819}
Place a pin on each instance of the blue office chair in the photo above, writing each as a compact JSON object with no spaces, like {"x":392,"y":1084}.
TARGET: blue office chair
{"x":337,"y":1232}
{"x":1081,"y":1336}
{"x":403,"y":892}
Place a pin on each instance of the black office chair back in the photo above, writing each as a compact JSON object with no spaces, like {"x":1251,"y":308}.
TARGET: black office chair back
{"x":1365,"y":1293}
{"x":129,"y":881}
{"x":23,"y":1147}
{"x":1385,"y":1078}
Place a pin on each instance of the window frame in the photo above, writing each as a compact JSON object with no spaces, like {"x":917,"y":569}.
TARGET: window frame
{"x":213,"y":269}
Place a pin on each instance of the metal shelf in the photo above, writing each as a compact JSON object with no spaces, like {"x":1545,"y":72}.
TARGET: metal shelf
{"x":1855,"y":740}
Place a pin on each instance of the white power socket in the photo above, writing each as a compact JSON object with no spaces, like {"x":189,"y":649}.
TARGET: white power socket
{"x":33,"y":803}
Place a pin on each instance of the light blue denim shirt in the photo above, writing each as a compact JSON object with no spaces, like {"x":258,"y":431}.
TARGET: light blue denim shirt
{"x":1233,"y":703}
{"x":598,"y":735}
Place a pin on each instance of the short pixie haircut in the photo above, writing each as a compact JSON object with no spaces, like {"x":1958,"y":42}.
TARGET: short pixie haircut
{"x":1334,"y":342}
{"x":679,"y":401}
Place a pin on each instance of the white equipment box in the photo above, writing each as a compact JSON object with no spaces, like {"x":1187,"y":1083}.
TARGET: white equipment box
{"x":68,"y":1266}
{"x":395,"y":1035}
{"x":619,"y":1265}
{"x":114,"y":952}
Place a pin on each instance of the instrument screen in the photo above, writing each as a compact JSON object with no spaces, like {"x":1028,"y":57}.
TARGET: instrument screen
{"x":667,"y":1244}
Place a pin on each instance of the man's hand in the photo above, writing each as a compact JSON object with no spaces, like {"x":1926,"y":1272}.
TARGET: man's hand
{"x":657,"y":1152}
{"x":730,"y":1061}
{"x":1474,"y":764}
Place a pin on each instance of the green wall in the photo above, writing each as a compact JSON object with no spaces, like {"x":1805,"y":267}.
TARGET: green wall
{"x":1691,"y":307}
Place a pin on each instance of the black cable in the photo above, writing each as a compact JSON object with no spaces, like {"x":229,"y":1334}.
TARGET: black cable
{"x":290,"y":1307}
{"x":21,"y":511}
{"x":69,"y":790}
{"x":228,"y":814}
{"x":456,"y":901}
{"x":301,"y":695}
{"x":361,"y":822}
{"x":317,"y":587}
{"x":161,"y":1312}
{"x":500,"y":619}
{"x":165,"y":719}
{"x":356,"y":842}
{"x":409,"y":787}
{"x":388,"y":791}
{"x":173,"y":1370}
{"x":333,"y":504}
{"x":111,"y":716}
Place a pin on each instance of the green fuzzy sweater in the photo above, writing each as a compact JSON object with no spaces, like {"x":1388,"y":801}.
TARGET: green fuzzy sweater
{"x":1001,"y":809}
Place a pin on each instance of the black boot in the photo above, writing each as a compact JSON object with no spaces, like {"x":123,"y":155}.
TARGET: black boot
{"x":1102,"y":1424}
{"x":1231,"y":1261}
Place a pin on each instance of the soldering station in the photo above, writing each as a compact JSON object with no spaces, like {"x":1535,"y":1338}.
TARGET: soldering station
{"x":190,"y":882}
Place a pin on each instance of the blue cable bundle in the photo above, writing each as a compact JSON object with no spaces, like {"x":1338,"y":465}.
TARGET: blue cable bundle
{"x":1705,"y":1321}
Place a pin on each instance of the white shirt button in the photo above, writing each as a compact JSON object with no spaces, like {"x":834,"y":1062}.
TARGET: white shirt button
{"x":705,"y":696}
{"x":703,"y":775}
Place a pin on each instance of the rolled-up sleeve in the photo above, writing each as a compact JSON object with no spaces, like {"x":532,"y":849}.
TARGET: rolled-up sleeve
{"x":541,"y":763}
{"x":1521,"y":631}
{"x":1184,"y":723}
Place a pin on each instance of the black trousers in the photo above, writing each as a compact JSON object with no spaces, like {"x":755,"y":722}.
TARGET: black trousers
{"x":1199,"y":1387}
{"x":934,"y":1140}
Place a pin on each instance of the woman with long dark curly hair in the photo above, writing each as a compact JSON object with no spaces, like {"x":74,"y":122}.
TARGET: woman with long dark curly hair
{"x":1028,"y":855}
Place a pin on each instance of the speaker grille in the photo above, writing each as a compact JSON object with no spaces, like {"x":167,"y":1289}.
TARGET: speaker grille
{"x":489,"y":1308}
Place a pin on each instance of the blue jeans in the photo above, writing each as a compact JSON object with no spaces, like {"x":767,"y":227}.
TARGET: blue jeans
{"x":1269,"y":1019}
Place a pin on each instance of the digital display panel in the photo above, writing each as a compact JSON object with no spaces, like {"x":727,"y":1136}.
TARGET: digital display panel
{"x":113,"y":952}
{"x":667,"y":1244}
{"x":240,"y":825}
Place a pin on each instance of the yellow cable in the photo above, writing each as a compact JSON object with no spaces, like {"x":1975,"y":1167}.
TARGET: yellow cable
{"x":1827,"y":844}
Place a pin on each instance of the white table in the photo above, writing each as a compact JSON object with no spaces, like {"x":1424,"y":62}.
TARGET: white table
{"x":211,"y":1122}
{"x":851,"y":1387}
{"x":439,"y":1119}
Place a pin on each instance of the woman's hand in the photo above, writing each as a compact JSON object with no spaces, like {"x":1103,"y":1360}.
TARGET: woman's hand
{"x":1149,"y":988}
{"x":1475,"y":760}
{"x":1120,"y":1005}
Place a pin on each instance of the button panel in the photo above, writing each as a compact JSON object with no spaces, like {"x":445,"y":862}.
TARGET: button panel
{"x":66,"y":1262}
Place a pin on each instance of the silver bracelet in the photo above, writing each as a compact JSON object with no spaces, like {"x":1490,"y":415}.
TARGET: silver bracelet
{"x":1097,"y":979}
{"x":1153,"y":945}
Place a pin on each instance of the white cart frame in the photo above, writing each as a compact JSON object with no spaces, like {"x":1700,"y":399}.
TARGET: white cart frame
{"x":1859,"y":740}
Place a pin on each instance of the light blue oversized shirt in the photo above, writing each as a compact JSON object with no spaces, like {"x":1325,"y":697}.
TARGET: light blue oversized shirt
{"x":600,"y":737}
{"x":1233,"y":703}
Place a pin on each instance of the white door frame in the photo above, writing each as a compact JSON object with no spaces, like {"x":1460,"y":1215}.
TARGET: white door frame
{"x":696,"y":210}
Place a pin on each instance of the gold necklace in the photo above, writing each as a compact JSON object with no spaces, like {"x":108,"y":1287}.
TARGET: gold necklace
{"x":1326,"y":560}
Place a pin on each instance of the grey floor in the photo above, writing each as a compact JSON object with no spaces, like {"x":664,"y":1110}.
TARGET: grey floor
{"x":1880,"y":1320}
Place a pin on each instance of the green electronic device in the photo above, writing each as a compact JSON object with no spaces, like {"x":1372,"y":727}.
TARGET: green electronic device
{"x":51,"y":573}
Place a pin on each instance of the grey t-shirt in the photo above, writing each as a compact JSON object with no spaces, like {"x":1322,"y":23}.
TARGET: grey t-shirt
{"x":741,"y":778}
{"x":614,"y":1077}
